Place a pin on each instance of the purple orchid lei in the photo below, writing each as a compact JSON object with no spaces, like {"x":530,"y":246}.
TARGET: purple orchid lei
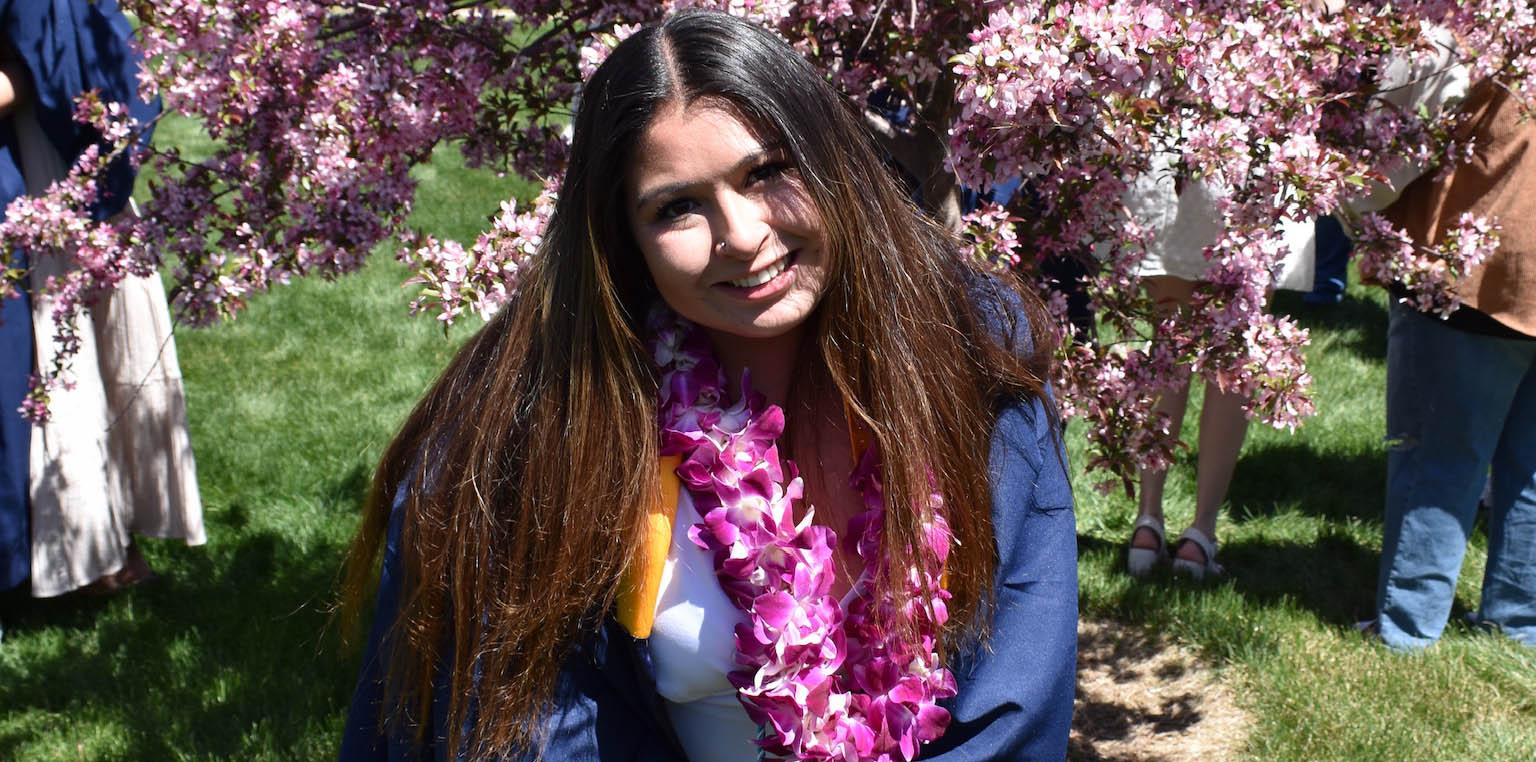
{"x":821,"y":682}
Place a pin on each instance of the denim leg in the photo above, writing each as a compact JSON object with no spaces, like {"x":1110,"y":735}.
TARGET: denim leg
{"x":1509,"y":584}
{"x":1332,"y":263}
{"x":1448,"y":393}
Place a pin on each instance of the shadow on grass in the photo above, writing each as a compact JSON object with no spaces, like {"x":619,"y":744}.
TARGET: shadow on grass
{"x":1361,"y":324}
{"x":352,"y":486}
{"x":1107,"y":720}
{"x":1324,"y":484}
{"x":227,"y":656}
{"x":1333,"y":577}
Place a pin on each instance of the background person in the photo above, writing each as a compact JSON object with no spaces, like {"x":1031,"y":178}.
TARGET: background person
{"x":15,"y":358}
{"x":1461,"y":391}
{"x":114,"y":459}
{"x":1185,"y":223}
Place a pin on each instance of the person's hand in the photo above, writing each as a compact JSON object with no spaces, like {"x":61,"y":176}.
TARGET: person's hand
{"x":14,"y":80}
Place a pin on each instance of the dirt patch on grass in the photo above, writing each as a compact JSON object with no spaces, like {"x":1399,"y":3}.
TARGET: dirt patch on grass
{"x":1141,"y":697}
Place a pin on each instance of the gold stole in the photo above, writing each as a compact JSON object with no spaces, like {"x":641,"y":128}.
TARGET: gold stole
{"x":642,"y":580}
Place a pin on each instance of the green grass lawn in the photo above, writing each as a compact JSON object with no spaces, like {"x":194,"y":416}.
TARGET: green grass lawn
{"x":232,"y":655}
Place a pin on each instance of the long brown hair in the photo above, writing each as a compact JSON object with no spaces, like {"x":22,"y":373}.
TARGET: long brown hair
{"x":527,"y":469}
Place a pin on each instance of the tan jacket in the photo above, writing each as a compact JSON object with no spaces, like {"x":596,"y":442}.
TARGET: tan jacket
{"x":1498,"y":182}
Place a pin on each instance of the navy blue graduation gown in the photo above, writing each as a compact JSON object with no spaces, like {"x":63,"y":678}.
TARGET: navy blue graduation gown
{"x":1014,"y":702}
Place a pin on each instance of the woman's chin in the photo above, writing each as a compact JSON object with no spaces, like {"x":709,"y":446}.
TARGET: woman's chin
{"x":779,"y":320}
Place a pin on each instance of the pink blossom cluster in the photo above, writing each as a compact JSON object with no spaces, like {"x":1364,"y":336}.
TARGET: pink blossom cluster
{"x":822,"y":683}
{"x":318,"y":110}
{"x":1428,"y":274}
{"x":58,"y":225}
{"x":483,"y":277}
{"x":765,"y":12}
{"x":1113,"y":389}
{"x":988,"y":235}
{"x":600,"y":45}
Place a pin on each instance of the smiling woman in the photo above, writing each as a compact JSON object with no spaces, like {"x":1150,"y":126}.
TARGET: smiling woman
{"x":729,"y":234}
{"x":594,"y":546}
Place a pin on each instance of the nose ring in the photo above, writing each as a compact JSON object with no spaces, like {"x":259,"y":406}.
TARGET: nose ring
{"x":720,"y":246}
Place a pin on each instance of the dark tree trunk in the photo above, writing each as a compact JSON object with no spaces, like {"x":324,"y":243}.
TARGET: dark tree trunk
{"x":922,"y":147}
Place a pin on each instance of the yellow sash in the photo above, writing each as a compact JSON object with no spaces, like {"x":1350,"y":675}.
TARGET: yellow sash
{"x":642,"y":580}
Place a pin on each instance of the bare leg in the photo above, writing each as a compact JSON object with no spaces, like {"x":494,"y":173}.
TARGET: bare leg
{"x":1150,"y":501}
{"x":1222,"y":429}
{"x":135,"y":570}
{"x":1169,"y":293}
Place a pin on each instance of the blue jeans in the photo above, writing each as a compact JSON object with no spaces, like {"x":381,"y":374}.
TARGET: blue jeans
{"x":1458,"y":403}
{"x":1332,"y":263}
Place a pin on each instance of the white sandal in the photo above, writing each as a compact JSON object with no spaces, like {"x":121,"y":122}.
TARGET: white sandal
{"x":1139,"y":562}
{"x":1196,"y":569}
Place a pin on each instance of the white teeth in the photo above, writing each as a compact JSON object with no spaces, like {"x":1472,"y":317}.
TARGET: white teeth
{"x":762,"y":276}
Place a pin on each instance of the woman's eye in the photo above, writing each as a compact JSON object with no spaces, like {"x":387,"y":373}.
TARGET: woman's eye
{"x":768,"y":171}
{"x":673,"y":210}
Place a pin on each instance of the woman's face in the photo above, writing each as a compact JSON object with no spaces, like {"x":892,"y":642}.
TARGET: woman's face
{"x":729,"y":234}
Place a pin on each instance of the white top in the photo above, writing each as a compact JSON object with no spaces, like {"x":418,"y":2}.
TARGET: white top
{"x":1434,"y":83}
{"x":693,"y":648}
{"x":1184,"y":224}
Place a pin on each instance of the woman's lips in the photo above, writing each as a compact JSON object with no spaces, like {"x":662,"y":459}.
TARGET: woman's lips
{"x":780,"y":275}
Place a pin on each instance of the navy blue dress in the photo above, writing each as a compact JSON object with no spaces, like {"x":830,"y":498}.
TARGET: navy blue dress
{"x":1014,"y":701}
{"x":69,"y":47}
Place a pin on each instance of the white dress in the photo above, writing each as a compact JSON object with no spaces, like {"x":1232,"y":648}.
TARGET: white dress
{"x":115,"y":458}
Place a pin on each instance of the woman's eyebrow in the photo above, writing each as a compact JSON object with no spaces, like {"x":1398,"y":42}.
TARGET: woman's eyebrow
{"x":755,"y":157}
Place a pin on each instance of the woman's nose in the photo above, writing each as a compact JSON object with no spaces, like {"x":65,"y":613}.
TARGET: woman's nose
{"x":742,"y":230}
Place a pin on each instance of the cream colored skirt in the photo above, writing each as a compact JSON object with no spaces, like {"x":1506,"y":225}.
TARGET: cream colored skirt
{"x":115,"y":458}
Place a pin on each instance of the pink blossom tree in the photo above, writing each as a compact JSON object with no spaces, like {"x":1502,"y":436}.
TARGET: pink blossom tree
{"x":320,"y":108}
